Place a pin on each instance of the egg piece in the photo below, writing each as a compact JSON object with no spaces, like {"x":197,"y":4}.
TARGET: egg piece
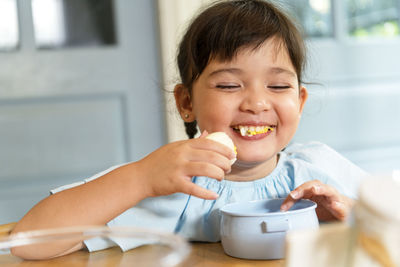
{"x":224,"y":139}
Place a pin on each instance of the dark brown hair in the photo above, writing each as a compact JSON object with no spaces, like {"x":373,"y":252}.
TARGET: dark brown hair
{"x":227,"y":26}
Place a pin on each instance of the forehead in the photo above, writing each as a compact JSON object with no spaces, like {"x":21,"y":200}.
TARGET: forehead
{"x":272,"y":53}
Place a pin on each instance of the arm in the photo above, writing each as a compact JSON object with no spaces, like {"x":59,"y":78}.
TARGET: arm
{"x":93,"y":203}
{"x":165,"y":171}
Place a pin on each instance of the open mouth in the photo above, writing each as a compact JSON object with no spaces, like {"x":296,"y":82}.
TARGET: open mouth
{"x":253,"y":130}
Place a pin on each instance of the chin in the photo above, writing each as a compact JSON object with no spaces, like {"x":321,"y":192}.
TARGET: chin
{"x":259,"y":154}
{"x":239,"y":164}
{"x":254,"y":159}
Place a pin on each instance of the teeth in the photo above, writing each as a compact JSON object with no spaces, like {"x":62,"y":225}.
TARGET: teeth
{"x":253,"y":130}
{"x":243,"y":130}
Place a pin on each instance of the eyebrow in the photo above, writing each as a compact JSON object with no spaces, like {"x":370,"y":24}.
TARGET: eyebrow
{"x":273,"y":70}
{"x":229,"y":70}
{"x":278,"y":70}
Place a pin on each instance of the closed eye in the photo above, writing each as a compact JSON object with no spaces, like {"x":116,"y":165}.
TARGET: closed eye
{"x":278,"y":87}
{"x":228,"y":86}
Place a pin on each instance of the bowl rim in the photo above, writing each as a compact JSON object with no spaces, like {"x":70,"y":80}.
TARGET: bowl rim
{"x":266,"y":214}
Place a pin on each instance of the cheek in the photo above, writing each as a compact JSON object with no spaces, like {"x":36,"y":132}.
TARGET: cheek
{"x":215,"y":114}
{"x":209,"y":103}
{"x":209,"y":109}
{"x":289,"y":111}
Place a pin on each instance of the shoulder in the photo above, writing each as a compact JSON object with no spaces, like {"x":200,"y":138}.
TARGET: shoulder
{"x":310,"y":151}
{"x":319,"y":161}
{"x":314,"y":154}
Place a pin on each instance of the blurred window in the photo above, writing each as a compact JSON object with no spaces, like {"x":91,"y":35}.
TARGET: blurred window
{"x":361,"y":18}
{"x":314,"y":15}
{"x":373,"y":18}
{"x":66,"y":23}
{"x":9,"y":34}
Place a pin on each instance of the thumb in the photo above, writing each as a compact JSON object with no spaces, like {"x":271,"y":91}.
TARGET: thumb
{"x":203,"y":134}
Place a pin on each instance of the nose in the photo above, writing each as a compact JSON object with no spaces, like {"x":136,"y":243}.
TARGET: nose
{"x":255,"y":101}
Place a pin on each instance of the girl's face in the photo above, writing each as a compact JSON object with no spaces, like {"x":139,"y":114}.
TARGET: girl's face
{"x":255,"y":99}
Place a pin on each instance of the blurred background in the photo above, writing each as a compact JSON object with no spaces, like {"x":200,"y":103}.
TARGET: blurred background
{"x":84,"y":86}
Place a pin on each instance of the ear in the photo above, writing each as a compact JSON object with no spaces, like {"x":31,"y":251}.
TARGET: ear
{"x":303,"y":98}
{"x":184,"y":103}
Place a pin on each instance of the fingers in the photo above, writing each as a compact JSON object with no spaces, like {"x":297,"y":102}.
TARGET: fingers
{"x":312,"y":188}
{"x":329,"y":200}
{"x":339,"y":210}
{"x":203,"y":134}
{"x":212,"y":158}
{"x":306,"y":190}
{"x":208,"y":151}
{"x":200,"y":192}
{"x":204,"y":169}
{"x":170,"y":168}
{"x":210,"y":145}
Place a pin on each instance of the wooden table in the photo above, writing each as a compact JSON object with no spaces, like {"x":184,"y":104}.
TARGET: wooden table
{"x":202,"y":254}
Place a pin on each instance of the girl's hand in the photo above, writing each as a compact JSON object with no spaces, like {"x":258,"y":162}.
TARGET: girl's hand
{"x":170,"y":168}
{"x":331,"y":205}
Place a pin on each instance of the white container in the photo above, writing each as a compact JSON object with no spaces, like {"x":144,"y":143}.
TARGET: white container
{"x":377,"y":223}
{"x":257,"y":229}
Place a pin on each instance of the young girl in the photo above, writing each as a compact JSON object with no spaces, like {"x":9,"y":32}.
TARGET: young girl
{"x":241,"y":65}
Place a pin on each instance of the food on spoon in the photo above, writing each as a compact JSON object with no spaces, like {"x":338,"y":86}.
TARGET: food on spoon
{"x":224,"y":139}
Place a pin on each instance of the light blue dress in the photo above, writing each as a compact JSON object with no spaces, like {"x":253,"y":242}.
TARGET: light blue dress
{"x":199,"y":220}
